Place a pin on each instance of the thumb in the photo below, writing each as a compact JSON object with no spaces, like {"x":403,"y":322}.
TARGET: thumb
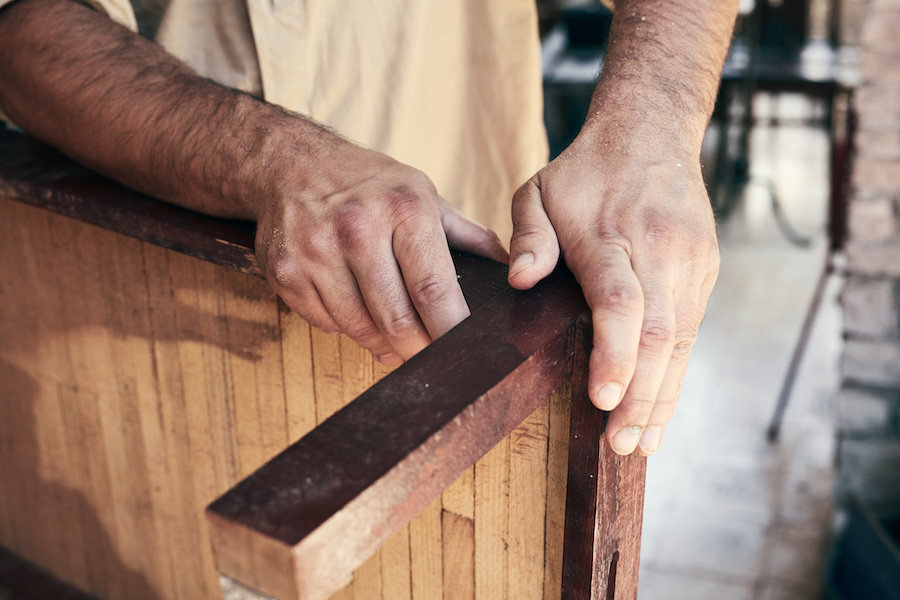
{"x":534,"y":248}
{"x":468,"y":236}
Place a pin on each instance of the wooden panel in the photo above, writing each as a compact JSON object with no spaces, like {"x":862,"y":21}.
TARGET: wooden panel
{"x":126,"y":368}
{"x":140,"y":383}
{"x":129,"y":393}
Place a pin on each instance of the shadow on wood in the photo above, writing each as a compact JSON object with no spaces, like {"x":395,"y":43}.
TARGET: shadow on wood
{"x":166,"y":373}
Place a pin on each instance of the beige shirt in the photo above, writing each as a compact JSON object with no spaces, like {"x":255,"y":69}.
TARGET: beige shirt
{"x":452,"y":87}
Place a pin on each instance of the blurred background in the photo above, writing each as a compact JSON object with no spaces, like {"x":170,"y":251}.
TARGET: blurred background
{"x":779,"y":478}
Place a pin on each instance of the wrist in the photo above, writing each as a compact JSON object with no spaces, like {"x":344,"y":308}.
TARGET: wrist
{"x":637,"y":140}
{"x":287,"y":157}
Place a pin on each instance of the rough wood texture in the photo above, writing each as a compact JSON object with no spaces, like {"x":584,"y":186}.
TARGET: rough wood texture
{"x":604,"y":500}
{"x":140,"y":383}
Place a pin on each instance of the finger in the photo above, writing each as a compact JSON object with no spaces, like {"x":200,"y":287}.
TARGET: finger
{"x":312,"y":310}
{"x":663,"y":408}
{"x":343,"y":300}
{"x":297,"y":291}
{"x":366,"y":287}
{"x":686,"y":334}
{"x":468,"y":236}
{"x":614,"y":294}
{"x":534,"y":247}
{"x":384,"y":293}
{"x":657,"y":339}
{"x":430,"y":277}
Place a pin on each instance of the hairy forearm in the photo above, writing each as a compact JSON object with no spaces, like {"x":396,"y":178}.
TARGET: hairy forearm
{"x":121,"y":105}
{"x":662,"y":69}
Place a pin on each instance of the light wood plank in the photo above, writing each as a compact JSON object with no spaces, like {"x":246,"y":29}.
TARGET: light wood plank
{"x":492,"y":523}
{"x":557,"y":472}
{"x":179,"y":500}
{"x":367,"y":583}
{"x":425,"y":548}
{"x":297,"y":357}
{"x":459,"y":497}
{"x":527,"y":499}
{"x":458,"y":556}
{"x":327,"y":374}
{"x":395,"y":566}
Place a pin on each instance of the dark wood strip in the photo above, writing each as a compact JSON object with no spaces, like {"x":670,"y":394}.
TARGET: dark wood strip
{"x":604,"y":498}
{"x":34,"y":173}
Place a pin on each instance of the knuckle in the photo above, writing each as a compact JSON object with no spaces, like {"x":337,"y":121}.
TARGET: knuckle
{"x":409,"y":204}
{"x":621,"y":299}
{"x":656,"y":335}
{"x":401,"y":325}
{"x":714,"y":258}
{"x":284,"y":274}
{"x":327,"y":327}
{"x":684,"y":342}
{"x":526,"y":231}
{"x":682,"y":349}
{"x":362,"y":330}
{"x":713,"y":262}
{"x":430,"y":291}
{"x":661,"y":234}
{"x":354,"y":226}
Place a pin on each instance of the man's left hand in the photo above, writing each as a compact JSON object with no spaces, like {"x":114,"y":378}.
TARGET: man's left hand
{"x":638,"y":232}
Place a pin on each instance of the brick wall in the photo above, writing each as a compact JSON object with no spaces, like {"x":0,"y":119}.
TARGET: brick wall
{"x":869,"y":403}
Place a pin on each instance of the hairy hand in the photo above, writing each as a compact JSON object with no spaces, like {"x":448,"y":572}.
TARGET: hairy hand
{"x":638,"y":233}
{"x":366,"y":254}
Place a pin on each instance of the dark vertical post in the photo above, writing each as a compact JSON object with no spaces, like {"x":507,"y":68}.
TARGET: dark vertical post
{"x":604,"y":498}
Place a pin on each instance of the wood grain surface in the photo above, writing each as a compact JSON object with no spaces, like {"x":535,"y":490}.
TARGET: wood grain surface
{"x":397,"y":446}
{"x":146,"y":369}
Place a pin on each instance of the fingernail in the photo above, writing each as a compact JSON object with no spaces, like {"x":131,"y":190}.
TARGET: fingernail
{"x":609,"y":396}
{"x":522,"y":262}
{"x":627,"y":440}
{"x":389,"y":360}
{"x":650,"y":440}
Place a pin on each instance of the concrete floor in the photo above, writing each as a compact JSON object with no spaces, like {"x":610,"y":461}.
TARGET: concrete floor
{"x":729,"y":516}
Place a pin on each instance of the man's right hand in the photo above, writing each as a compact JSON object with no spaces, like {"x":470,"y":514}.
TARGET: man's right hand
{"x":352,"y":240}
{"x":366,"y":253}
